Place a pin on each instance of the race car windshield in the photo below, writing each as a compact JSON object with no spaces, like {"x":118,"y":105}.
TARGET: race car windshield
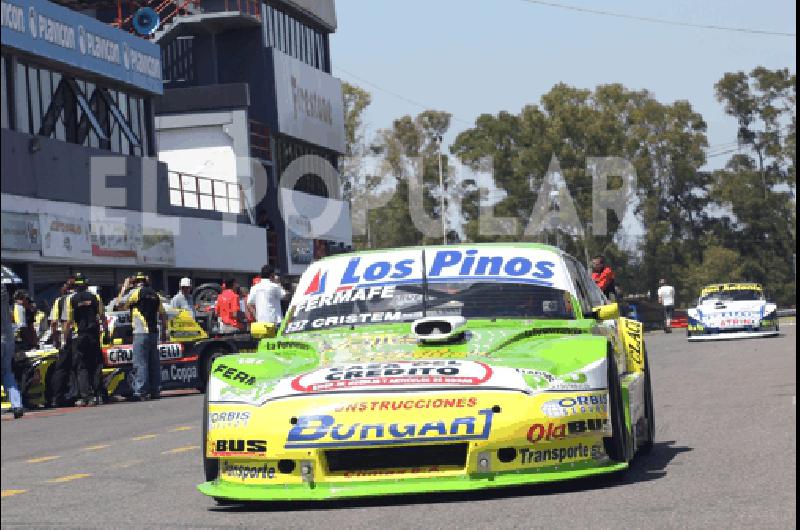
{"x":738,"y":295}
{"x":408,"y":302}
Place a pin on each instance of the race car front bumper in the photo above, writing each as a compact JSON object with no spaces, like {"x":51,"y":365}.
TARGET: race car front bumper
{"x":733,"y":335}
{"x":332,"y":447}
{"x":311,"y":491}
{"x":698,"y":330}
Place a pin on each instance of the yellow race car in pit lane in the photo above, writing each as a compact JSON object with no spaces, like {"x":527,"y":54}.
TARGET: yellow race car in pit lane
{"x":427,"y":370}
{"x":186,"y":358}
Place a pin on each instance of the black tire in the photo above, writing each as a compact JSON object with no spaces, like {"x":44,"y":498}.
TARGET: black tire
{"x":649,"y":408}
{"x":618,"y":446}
{"x":205,"y":295}
{"x":206,"y":360}
{"x":210,"y":465}
{"x":48,"y":385}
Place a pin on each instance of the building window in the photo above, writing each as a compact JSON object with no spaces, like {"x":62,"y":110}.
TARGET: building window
{"x":313,"y":185}
{"x":5,"y":121}
{"x":287,"y":151}
{"x":23,"y":120}
{"x":35,"y":97}
{"x":177,"y":60}
{"x":54,"y":105}
{"x":295,"y":37}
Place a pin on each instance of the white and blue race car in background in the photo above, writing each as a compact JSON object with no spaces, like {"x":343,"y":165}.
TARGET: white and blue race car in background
{"x":732,"y":311}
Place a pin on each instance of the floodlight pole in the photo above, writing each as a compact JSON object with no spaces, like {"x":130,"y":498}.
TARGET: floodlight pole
{"x":441,"y":190}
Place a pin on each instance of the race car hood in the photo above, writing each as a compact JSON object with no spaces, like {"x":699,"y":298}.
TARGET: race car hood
{"x":491,"y":356}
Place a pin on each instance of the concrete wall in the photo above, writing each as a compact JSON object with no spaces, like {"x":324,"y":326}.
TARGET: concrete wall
{"x":60,"y":171}
{"x":199,"y":243}
{"x":322,"y":10}
{"x":209,"y":144}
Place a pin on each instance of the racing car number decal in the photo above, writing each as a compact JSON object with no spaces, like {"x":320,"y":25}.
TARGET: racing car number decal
{"x":403,"y":373}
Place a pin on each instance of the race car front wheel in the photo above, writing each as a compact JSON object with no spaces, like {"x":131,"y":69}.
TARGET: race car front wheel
{"x":210,"y":465}
{"x":618,"y":446}
{"x":206,"y":362}
{"x":649,"y":408}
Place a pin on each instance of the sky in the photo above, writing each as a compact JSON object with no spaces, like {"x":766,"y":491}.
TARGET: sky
{"x":470,"y":57}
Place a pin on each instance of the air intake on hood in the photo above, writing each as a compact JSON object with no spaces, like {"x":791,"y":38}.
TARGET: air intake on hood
{"x":438,"y":329}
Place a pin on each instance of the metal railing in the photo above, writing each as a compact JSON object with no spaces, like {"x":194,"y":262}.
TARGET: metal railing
{"x":248,"y":7}
{"x":166,"y":9}
{"x":169,"y":9}
{"x":205,"y":193}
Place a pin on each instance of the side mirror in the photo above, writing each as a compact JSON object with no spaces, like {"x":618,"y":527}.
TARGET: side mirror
{"x":606,"y":312}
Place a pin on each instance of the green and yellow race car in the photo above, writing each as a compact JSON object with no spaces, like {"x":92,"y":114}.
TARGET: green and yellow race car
{"x":430,"y":369}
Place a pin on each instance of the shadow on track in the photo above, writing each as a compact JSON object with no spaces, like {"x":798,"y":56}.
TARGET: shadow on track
{"x":643,"y":468}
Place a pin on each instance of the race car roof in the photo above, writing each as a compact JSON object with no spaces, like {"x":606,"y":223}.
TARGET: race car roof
{"x":513,"y":263}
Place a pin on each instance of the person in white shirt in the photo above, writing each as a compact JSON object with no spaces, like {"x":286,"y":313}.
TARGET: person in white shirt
{"x":666,"y":297}
{"x":184,"y":298}
{"x":264,"y":300}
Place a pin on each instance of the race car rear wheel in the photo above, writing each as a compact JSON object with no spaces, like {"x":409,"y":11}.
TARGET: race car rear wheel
{"x":210,"y":465}
{"x":618,"y":446}
{"x":649,"y":408}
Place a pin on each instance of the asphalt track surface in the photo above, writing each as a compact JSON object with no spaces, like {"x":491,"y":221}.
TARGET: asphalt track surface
{"x":725,"y":457}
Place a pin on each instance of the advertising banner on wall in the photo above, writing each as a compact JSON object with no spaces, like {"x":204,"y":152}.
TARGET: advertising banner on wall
{"x":157,"y":247}
{"x":321,"y":218}
{"x":21,"y":231}
{"x":65,"y":237}
{"x":299,"y":247}
{"x":301,"y":252}
{"x":310,"y":106}
{"x":113,"y":239}
{"x":66,"y":36}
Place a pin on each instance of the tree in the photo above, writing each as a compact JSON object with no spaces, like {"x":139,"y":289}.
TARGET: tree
{"x":409,"y":139}
{"x":355,"y":102}
{"x":719,"y":265}
{"x":757,"y":188}
{"x":664,"y":142}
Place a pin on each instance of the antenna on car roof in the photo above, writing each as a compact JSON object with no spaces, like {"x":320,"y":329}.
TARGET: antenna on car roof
{"x":424,"y":286}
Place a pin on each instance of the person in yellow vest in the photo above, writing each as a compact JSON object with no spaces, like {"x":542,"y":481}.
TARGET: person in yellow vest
{"x":62,"y":367}
{"x":24,"y":316}
{"x":147,"y":311}
{"x":85,"y":312}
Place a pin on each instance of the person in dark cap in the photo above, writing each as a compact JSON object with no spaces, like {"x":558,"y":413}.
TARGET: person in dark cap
{"x":62,"y":367}
{"x":85,"y":313}
{"x":147,"y":312}
{"x":24,"y":315}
